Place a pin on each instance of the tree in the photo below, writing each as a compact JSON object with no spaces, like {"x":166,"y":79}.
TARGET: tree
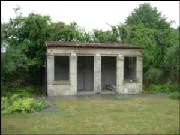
{"x":110,"y":36}
{"x":14,"y":66}
{"x":63,"y":32}
{"x":172,"y":62}
{"x":138,"y":35}
{"x":34,"y":34}
{"x":24,"y":38}
{"x":171,"y":57}
{"x":148,"y":16}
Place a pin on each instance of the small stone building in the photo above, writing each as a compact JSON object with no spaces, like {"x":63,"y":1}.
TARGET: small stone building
{"x":89,"y":68}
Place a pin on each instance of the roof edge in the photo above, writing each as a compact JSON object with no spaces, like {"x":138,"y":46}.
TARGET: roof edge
{"x":90,"y":45}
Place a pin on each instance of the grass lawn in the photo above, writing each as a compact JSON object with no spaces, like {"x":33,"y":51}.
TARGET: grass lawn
{"x":141,"y":115}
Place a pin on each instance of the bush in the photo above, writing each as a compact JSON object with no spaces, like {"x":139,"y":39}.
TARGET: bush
{"x":175,"y":95}
{"x":40,"y":105}
{"x":15,"y":96}
{"x":3,"y":89}
{"x":4,"y":103}
{"x":27,"y":91}
{"x":154,"y":75}
{"x":162,"y":88}
{"x":23,"y":105}
{"x":18,"y":103}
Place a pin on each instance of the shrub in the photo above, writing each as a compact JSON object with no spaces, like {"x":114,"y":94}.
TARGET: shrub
{"x":162,"y":88}
{"x":19,"y":103}
{"x":175,"y":95}
{"x":25,"y":92}
{"x":4,"y":103}
{"x":28,"y":105}
{"x":40,"y":105}
{"x":16,"y":106}
{"x":3,"y":89}
{"x":23,"y":105}
{"x":14,"y":97}
{"x":154,"y":75}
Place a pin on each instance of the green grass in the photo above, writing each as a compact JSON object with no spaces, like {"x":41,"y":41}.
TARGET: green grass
{"x":147,"y":115}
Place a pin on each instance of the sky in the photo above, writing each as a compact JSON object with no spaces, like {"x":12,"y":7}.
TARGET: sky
{"x":88,"y":14}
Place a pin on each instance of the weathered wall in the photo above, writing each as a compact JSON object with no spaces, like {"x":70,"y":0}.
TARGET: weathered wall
{"x":131,"y":88}
{"x":70,"y":88}
{"x":56,"y":88}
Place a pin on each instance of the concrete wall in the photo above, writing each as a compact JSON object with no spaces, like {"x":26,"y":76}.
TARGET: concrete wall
{"x":131,"y":88}
{"x":55,"y":88}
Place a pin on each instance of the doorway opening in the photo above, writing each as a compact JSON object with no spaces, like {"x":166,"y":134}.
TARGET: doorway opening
{"x":85,"y":73}
{"x":108,"y":73}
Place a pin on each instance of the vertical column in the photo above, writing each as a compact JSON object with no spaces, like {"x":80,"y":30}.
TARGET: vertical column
{"x":50,"y":69}
{"x":97,"y":73}
{"x":119,"y":73}
{"x":139,"y":71}
{"x":73,"y":72}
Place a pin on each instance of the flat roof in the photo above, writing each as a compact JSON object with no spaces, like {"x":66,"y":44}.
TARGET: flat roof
{"x":91,"y":45}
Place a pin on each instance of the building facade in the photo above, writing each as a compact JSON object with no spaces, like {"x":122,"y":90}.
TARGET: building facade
{"x":89,"y":68}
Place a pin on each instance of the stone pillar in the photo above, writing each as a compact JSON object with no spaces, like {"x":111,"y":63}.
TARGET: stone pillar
{"x":50,"y":69}
{"x":139,"y":72}
{"x":97,"y":73}
{"x":50,"y":73}
{"x":119,"y":73}
{"x":73,"y":72}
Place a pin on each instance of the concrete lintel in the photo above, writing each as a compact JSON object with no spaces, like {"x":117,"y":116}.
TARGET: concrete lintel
{"x":140,"y":58}
{"x":73,"y":54}
{"x":120,"y":57}
{"x":97,"y":54}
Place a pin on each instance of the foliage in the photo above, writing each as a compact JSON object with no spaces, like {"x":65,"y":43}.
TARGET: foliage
{"x":175,"y":95}
{"x":148,"y":17}
{"x":20,"y":103}
{"x":24,"y":60}
{"x":63,"y":32}
{"x":4,"y":103}
{"x":172,"y":62}
{"x":40,"y":105}
{"x":25,"y":48}
{"x":140,"y":36}
{"x":24,"y":91}
{"x":14,"y":63}
{"x":3,"y":89}
{"x":105,"y":36}
{"x":162,"y":88}
{"x":154,"y":75}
